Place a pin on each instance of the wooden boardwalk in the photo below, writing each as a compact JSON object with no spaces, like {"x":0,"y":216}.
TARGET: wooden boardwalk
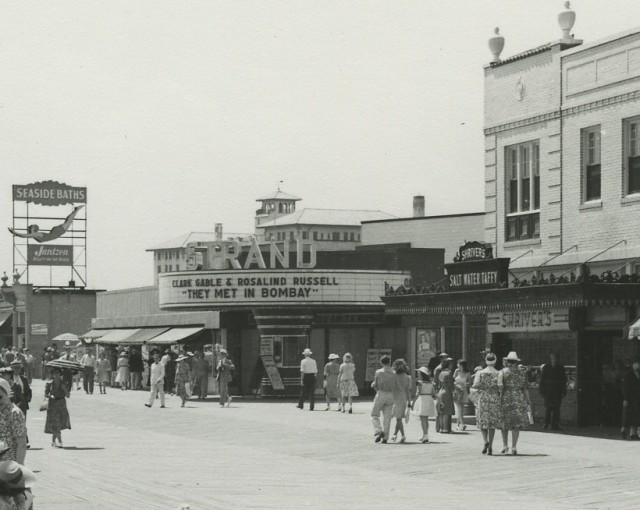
{"x":270,"y":455}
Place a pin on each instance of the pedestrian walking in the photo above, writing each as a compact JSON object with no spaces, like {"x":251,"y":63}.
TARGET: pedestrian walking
{"x":57,"y":414}
{"x":553,"y":388}
{"x":88,"y":361}
{"x":308,"y":373}
{"x":170,"y":372}
{"x":401,"y":397}
{"x":424,"y":401}
{"x":436,"y":382}
{"x":346,"y":382}
{"x":29,"y":365}
{"x":201,"y":374}
{"x":330,"y":384}
{"x":103,"y":372}
{"x":488,"y":402}
{"x":224,"y":373}
{"x":462,"y":383}
{"x":183,"y":379}
{"x":123,"y":371}
{"x":514,"y":392}
{"x":136,"y":368}
{"x":631,"y":401}
{"x":384,"y":383}
{"x":46,"y":358}
{"x":13,"y":427}
{"x":446,"y":389}
{"x":25,"y":392}
{"x":156,"y":374}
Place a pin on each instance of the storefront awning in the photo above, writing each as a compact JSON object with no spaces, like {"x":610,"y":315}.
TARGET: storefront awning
{"x":116,"y":336}
{"x":94,"y":333}
{"x":634,"y":330}
{"x":175,"y":335}
{"x":4,"y":316}
{"x":142,"y":336}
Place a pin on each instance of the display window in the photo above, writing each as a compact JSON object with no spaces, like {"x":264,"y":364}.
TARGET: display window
{"x":286,"y":349}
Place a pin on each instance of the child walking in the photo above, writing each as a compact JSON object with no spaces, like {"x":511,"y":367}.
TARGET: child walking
{"x":425,"y":394}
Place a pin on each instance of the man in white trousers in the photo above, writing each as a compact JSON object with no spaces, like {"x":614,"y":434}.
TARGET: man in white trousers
{"x":157,"y":380}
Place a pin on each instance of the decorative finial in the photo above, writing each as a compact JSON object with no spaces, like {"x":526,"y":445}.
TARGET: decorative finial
{"x":4,"y":279}
{"x":496,"y":44}
{"x":566,"y":19}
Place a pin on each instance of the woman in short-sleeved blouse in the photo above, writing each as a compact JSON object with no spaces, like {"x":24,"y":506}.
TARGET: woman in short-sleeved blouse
{"x":103,"y":372}
{"x":183,"y":376}
{"x":346,"y":381}
{"x":514,"y":390}
{"x":57,"y":413}
{"x":123,"y":371}
{"x":13,"y":428}
{"x":488,"y":404}
{"x":331,"y":371}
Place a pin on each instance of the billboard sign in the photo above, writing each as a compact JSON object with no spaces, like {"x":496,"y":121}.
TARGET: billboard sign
{"x":49,"y":193}
{"x":50,"y":255}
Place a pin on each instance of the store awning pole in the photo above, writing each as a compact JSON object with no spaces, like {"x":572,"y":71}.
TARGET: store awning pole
{"x":465,"y":337}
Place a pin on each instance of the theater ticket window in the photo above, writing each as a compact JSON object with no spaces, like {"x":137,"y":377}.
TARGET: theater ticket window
{"x":287,"y":350}
{"x":522,"y":164}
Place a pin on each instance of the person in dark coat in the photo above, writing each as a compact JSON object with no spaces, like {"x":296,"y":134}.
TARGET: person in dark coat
{"x":136,"y":368}
{"x":553,"y":388}
{"x":631,"y":402}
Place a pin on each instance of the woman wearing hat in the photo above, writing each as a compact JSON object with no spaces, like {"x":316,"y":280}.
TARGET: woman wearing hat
{"x":513,"y":387}
{"x":57,"y":413}
{"x":123,"y":371}
{"x":489,"y":405}
{"x":183,"y":377}
{"x":346,"y":381}
{"x":331,"y":371}
{"x":425,"y":400}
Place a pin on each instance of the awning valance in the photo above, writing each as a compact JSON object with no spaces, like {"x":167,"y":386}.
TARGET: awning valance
{"x":116,"y":336}
{"x":175,"y":335}
{"x":634,"y":330}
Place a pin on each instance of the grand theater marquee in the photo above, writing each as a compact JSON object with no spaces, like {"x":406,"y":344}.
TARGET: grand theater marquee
{"x":195,"y":289}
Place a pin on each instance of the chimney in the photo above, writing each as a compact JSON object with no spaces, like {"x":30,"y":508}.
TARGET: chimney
{"x":218,"y":231}
{"x":418,"y":206}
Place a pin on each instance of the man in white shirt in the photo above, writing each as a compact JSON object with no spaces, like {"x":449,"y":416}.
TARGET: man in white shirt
{"x":308,"y":372}
{"x":88,"y":361}
{"x":157,"y":380}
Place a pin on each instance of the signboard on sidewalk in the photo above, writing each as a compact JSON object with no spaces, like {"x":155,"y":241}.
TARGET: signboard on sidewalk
{"x":272,"y":372}
{"x":373,"y":362}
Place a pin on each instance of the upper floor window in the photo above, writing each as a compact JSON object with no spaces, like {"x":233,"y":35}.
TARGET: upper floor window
{"x":522,"y":163}
{"x":632,"y":156}
{"x":591,"y":163}
{"x":305,"y":234}
{"x":336,"y":236}
{"x":315,"y":235}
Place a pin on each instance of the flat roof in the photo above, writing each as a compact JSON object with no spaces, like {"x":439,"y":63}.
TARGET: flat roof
{"x":416,"y":218}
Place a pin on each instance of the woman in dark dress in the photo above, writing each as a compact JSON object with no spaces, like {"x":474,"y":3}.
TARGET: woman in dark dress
{"x":445,"y":395}
{"x":57,"y":414}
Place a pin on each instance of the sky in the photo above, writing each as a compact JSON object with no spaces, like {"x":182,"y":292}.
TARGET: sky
{"x":178,"y":115}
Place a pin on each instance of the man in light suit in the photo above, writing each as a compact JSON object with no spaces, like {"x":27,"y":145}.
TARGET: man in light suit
{"x":156,"y":377}
{"x":224,"y":374}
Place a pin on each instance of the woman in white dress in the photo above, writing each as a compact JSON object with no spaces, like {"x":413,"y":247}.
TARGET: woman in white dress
{"x":347,"y":382}
{"x":423,"y":403}
{"x":123,"y":371}
{"x":462,"y":382}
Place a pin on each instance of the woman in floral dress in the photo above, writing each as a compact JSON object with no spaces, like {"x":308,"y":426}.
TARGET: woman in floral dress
{"x":57,"y":414}
{"x":13,"y":427}
{"x":346,"y":381}
{"x":183,"y":376}
{"x":513,"y":387}
{"x":488,"y":403}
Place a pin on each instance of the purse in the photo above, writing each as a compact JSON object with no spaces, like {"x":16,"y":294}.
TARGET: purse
{"x":45,"y":404}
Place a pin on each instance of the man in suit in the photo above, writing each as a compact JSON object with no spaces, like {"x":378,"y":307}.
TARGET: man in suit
{"x":224,"y":374}
{"x":553,"y":388}
{"x":631,"y":402}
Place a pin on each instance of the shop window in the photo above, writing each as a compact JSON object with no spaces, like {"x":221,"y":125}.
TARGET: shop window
{"x":287,"y":350}
{"x":522,"y":165}
{"x":632,"y":156}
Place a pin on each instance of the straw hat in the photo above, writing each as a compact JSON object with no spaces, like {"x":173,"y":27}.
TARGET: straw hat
{"x":307,"y":352}
{"x":15,"y":476}
{"x":512,"y":356}
{"x":333,"y":356}
{"x":424,"y":370}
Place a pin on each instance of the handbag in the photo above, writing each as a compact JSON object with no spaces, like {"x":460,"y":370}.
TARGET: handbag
{"x":407,"y":414}
{"x":187,"y":389}
{"x":45,"y":404}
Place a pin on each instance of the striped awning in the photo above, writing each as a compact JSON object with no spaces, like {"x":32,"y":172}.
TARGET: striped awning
{"x":175,"y":335}
{"x":143,"y":335}
{"x":116,"y":336}
{"x":94,"y":333}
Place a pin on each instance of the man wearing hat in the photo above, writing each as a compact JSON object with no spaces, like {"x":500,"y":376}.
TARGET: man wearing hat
{"x":29,"y":363}
{"x":17,"y":396}
{"x":88,"y":361}
{"x":224,"y":374}
{"x":308,"y":372}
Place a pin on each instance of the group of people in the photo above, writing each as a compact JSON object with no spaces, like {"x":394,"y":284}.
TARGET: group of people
{"x":24,"y":356}
{"x":339,"y":381}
